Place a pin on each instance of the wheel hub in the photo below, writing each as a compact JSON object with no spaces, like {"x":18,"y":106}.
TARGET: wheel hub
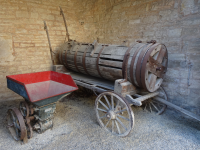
{"x":111,"y":114}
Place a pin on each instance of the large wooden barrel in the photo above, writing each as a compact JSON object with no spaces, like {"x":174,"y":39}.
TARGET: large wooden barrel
{"x":146,"y":63}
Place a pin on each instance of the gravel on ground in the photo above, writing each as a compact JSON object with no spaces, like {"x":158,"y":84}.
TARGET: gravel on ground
{"x":76,"y":127}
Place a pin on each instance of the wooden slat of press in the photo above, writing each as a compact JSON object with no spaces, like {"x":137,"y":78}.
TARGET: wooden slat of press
{"x":118,"y":57}
{"x":110,"y":63}
{"x":111,"y":72}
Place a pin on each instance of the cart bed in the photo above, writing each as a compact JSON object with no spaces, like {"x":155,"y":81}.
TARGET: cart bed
{"x":98,"y":82}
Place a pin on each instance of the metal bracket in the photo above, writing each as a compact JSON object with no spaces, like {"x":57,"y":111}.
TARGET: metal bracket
{"x":133,"y":101}
{"x":95,"y":44}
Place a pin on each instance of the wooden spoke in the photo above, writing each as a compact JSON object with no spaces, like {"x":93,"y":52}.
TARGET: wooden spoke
{"x":118,"y":129}
{"x":161,"y":55}
{"x":104,"y":105}
{"x":121,"y":123}
{"x":121,"y":111}
{"x":102,"y":110}
{"x":123,"y":117}
{"x":103,"y":117}
{"x":107,"y":101}
{"x":112,"y":102}
{"x":113,"y":126}
{"x":117,"y":105}
{"x":154,"y":106}
{"x":150,"y":107}
{"x":145,"y":107}
{"x":152,"y":81}
{"x":107,"y":123}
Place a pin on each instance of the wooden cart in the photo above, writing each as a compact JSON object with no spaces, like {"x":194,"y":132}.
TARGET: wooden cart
{"x":112,"y":105}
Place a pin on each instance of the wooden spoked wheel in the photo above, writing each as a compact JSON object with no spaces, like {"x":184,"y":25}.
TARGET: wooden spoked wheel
{"x":114,"y":113}
{"x":153,"y":105}
{"x":155,"y":69}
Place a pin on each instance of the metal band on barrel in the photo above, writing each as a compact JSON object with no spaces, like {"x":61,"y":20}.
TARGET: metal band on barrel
{"x":139,"y":63}
{"x":97,"y":63}
{"x":132,"y":64}
{"x":75,"y":58}
{"x":83,"y":59}
{"x":65,"y":58}
{"x":65,"y":62}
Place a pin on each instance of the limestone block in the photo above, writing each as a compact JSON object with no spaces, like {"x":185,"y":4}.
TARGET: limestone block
{"x":6,"y":48}
{"x":174,"y":33}
{"x":136,"y":21}
{"x":22,"y":14}
{"x":188,"y":7}
{"x":190,"y":31}
{"x":34,"y":15}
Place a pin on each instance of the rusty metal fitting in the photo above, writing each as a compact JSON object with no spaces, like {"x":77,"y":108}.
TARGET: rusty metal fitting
{"x":158,"y":69}
{"x":152,"y":41}
{"x":139,"y":41}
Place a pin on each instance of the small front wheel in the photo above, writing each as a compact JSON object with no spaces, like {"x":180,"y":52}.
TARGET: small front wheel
{"x":114,"y":113}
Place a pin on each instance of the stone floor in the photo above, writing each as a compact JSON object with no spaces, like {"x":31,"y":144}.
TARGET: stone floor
{"x":75,"y":127}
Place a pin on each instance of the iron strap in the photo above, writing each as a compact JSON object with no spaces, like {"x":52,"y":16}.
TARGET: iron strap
{"x":75,"y":58}
{"x":83,"y":59}
{"x":66,"y":58}
{"x":97,"y":63}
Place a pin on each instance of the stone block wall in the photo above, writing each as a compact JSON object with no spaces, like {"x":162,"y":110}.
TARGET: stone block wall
{"x":176,"y":23}
{"x":23,"y":41}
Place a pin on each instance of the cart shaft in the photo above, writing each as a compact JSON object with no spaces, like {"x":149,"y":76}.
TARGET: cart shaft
{"x":194,"y":116}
